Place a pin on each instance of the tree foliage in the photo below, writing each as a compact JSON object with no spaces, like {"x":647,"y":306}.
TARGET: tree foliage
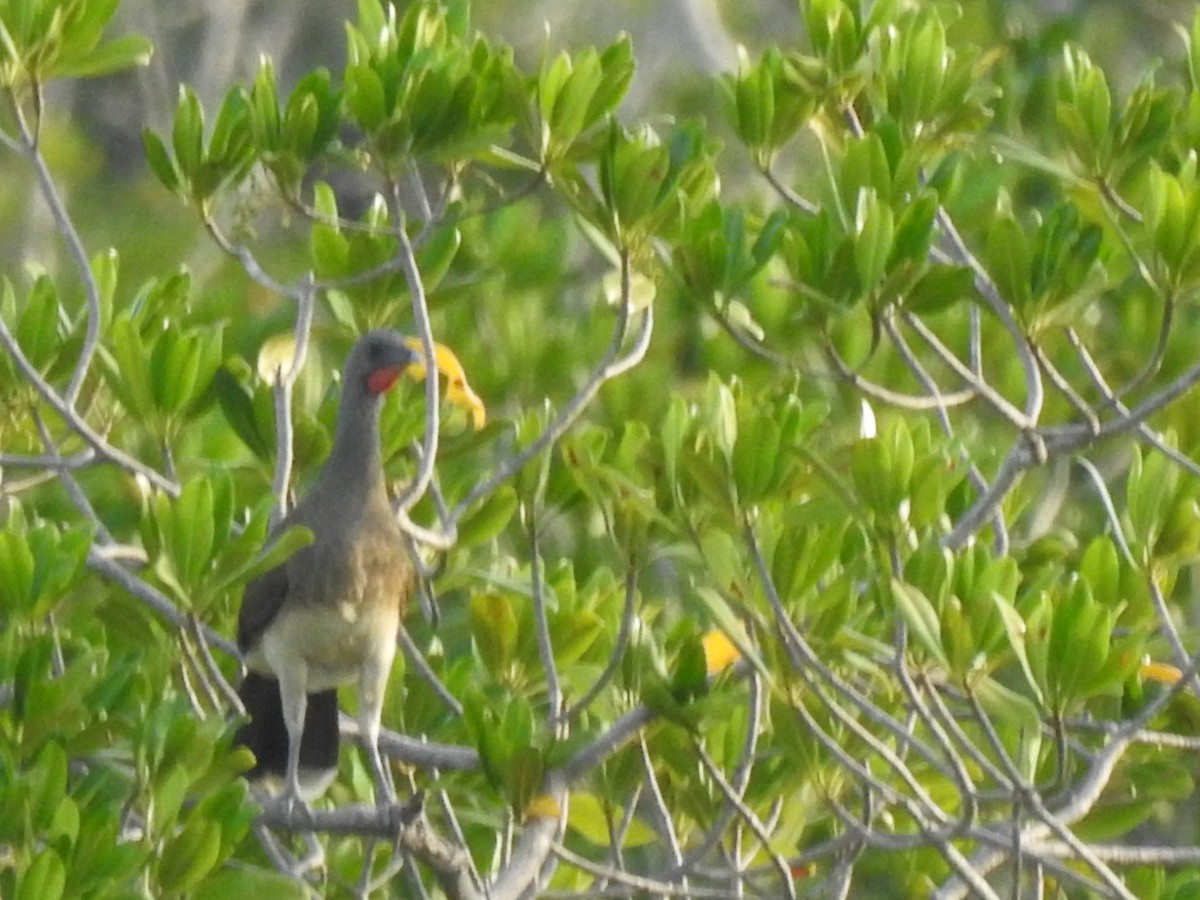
{"x":827,"y":536}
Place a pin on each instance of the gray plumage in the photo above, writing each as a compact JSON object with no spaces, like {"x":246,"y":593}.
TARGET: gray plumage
{"x":330,"y":614}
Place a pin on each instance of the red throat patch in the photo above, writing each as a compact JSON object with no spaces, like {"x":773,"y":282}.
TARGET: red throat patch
{"x":382,"y":379}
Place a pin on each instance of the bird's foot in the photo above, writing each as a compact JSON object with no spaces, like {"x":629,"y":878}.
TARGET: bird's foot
{"x":401,"y":815}
{"x":294,"y":809}
{"x":313,"y":859}
{"x":385,"y":791}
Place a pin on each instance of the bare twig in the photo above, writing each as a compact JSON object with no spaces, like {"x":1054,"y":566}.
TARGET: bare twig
{"x":67,"y":412}
{"x":27,"y":145}
{"x":610,"y":366}
{"x":554,"y":697}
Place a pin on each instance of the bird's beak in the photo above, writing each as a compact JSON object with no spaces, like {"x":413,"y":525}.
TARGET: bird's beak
{"x":458,"y":391}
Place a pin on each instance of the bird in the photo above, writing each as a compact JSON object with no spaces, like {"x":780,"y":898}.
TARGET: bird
{"x":330,"y":614}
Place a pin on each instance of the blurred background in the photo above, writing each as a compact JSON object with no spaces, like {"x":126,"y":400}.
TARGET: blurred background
{"x":93,"y":130}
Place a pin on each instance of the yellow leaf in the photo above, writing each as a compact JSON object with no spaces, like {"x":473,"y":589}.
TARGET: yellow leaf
{"x":543,"y":806}
{"x":642,"y":290}
{"x":719,"y":652}
{"x":1161,"y":672}
{"x":458,"y":391}
{"x":275,"y":357}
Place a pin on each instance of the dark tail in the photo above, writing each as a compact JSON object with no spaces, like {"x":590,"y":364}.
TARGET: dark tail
{"x":266,"y":735}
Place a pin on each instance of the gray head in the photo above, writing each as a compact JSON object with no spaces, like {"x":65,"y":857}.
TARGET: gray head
{"x":375,"y":361}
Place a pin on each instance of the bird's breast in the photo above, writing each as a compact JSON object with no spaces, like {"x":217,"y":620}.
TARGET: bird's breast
{"x":343,"y":608}
{"x":330,"y":649}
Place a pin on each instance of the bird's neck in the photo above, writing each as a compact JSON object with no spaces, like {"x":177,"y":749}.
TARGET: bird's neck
{"x":354,"y":467}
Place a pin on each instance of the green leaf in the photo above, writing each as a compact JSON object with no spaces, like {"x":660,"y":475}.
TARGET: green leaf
{"x":675,"y":426}
{"x":44,"y":879}
{"x":48,"y":786}
{"x":1008,"y":259}
{"x":587,"y":819}
{"x":523,"y":777}
{"x":365,"y":97}
{"x":282,"y":546}
{"x":925,"y":65}
{"x":490,"y":518}
{"x":550,"y":84}
{"x":16,"y":572}
{"x":105,"y":265}
{"x":571,"y":106}
{"x":617,"y":65}
{"x":914,"y":231}
{"x":189,"y":856}
{"x":249,"y":883}
{"x":660,"y":700}
{"x":129,"y":375}
{"x":922,"y":619}
{"x":494,"y":627}
{"x":756,"y":458}
{"x":38,"y":327}
{"x":1014,"y":631}
{"x":939,"y":288}
{"x":238,"y":406}
{"x":1016,"y":710}
{"x":160,"y":161}
{"x":874,"y":226}
{"x":187,"y":133}
{"x":192,"y":533}
{"x":689,"y":679}
{"x":573,"y":633}
{"x":124,"y":52}
{"x":264,"y":108}
{"x":436,"y":255}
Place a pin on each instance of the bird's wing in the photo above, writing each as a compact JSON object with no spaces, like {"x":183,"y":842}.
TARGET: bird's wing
{"x":261,"y":602}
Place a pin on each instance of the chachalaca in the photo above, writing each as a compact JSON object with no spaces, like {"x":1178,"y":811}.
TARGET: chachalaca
{"x":330,"y":614}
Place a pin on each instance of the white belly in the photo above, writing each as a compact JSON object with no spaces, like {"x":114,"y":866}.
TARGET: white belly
{"x":331,"y":650}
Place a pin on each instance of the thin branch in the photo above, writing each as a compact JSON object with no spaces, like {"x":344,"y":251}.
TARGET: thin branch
{"x":402,"y":824}
{"x":54,"y":461}
{"x":954,"y":245}
{"x":788,"y":195}
{"x":416,"y":752}
{"x":429,"y":442}
{"x":611,"y":365}
{"x":624,"y":630}
{"x":620,"y":732}
{"x":632,"y":883}
{"x":414,"y":657}
{"x":28,"y":148}
{"x":978,"y":482}
{"x":200,"y":640}
{"x":999,"y":404}
{"x":1145,"y":432}
{"x":285,"y":382}
{"x":67,"y":412}
{"x":662,"y":812}
{"x":987,"y":506}
{"x":733,"y":797}
{"x":741,"y":777}
{"x":912,"y":402}
{"x":554,"y":697}
{"x":1114,"y":518}
{"x":522,"y":874}
{"x":153,"y":598}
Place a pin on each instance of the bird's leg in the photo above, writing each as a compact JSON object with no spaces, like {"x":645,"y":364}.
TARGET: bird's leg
{"x":294,"y":699}
{"x":372,"y":684}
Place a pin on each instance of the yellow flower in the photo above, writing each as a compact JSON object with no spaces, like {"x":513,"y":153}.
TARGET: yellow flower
{"x":1161,"y":672}
{"x":719,"y":652}
{"x":458,"y":391}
